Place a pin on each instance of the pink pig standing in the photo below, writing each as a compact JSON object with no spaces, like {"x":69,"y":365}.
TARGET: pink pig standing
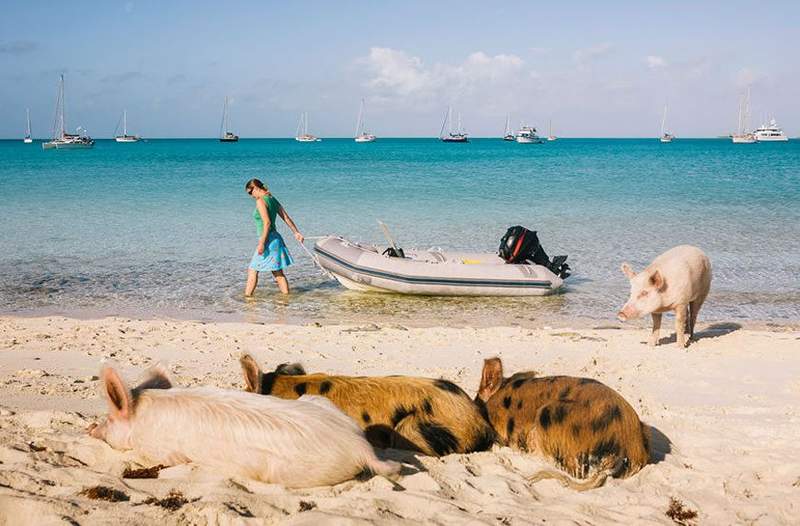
{"x":297,"y":443}
{"x":677,"y":280}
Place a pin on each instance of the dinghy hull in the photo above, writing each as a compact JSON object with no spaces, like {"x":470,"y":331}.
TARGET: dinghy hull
{"x":432,"y":272}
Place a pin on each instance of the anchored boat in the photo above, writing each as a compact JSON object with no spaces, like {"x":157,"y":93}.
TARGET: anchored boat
{"x":431,"y":272}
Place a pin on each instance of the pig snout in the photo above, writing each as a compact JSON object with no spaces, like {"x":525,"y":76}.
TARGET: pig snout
{"x":94,"y":430}
{"x":628,"y":312}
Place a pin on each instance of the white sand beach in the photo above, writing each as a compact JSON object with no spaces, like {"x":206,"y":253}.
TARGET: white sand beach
{"x":725,"y":415}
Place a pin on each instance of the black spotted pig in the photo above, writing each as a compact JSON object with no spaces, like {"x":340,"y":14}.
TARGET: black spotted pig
{"x":296,"y":443}
{"x":678,"y":280}
{"x":432,"y":416}
{"x":582,"y":426}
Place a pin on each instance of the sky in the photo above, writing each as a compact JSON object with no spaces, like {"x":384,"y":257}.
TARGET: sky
{"x":596,"y":69}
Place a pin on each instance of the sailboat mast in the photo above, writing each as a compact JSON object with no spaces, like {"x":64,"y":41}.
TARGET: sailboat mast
{"x":62,"y":107}
{"x":28,"y":115}
{"x":125,"y":123}
{"x":664,"y":120}
{"x":360,"y":117}
{"x":450,"y":120}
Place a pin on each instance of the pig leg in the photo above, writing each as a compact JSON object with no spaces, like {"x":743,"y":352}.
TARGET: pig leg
{"x":694,"y":310}
{"x":656,"y":328}
{"x":680,"y":324}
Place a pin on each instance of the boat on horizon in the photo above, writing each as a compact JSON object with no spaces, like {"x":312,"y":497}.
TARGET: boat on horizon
{"x":61,"y":139}
{"x":452,"y":136}
{"x":665,"y":135}
{"x":742,"y":135}
{"x":770,"y":132}
{"x":225,"y":133}
{"x":550,"y":136}
{"x":302,"y":134}
{"x":125,"y":137}
{"x":361,"y":127}
{"x":508,"y":135}
{"x":28,"y":139}
{"x":527,"y":135}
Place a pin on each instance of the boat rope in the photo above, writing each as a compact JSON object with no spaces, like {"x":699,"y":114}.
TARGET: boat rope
{"x":315,"y":259}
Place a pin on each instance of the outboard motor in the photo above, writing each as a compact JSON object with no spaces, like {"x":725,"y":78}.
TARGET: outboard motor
{"x":520,"y":245}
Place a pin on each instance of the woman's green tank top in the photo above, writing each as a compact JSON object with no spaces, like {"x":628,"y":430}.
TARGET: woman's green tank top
{"x":272,"y":213}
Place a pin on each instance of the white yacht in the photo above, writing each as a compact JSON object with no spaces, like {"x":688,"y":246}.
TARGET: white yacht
{"x":361,"y":127}
{"x":28,"y":139}
{"x":457,"y":135}
{"x":125,"y":137}
{"x":742,"y":136}
{"x":61,"y":139}
{"x":665,"y":135}
{"x":302,"y":130}
{"x":527,"y":135}
{"x":770,"y":132}
{"x":225,"y":133}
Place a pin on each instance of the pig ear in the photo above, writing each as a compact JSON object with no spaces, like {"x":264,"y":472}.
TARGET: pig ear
{"x":252,"y":373}
{"x":156,"y":377}
{"x":627,"y":270}
{"x":491,"y":378}
{"x":657,"y":280}
{"x":119,"y":397}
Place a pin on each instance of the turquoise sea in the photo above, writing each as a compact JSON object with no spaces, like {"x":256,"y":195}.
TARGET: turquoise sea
{"x":164,"y":227}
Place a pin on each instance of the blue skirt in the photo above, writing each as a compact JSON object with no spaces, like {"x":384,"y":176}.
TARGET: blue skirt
{"x":275,"y":257}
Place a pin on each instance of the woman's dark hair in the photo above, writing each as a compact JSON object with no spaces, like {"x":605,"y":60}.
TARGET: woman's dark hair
{"x":254,"y":183}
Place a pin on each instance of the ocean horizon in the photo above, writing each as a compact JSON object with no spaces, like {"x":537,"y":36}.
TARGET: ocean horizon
{"x":164,"y":227}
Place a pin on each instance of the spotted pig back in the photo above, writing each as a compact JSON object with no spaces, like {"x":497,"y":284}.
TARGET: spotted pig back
{"x":579,"y":424}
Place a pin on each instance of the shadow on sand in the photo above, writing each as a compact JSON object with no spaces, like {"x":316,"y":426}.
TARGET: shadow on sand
{"x":715,"y":330}
{"x":660,"y":445}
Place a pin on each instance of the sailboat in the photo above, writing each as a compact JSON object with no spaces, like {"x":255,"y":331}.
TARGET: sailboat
{"x":225,"y":133}
{"x":550,"y":136}
{"x":361,"y":127}
{"x":302,"y":134}
{"x":508,"y":135}
{"x":125,"y":137}
{"x":27,"y":139}
{"x":458,"y":135}
{"x":61,"y":139}
{"x":665,"y":136}
{"x":742,"y":136}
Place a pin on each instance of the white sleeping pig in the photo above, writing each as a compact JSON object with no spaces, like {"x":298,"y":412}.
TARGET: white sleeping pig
{"x":296,"y":443}
{"x":678,"y":280}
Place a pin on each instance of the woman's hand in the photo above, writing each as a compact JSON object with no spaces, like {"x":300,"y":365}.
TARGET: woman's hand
{"x":260,"y":248}
{"x":298,"y":236}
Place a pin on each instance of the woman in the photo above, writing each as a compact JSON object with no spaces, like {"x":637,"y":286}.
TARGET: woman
{"x":271,"y":252}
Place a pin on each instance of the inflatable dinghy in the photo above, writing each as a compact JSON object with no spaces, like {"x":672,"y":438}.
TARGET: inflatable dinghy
{"x":431,"y":272}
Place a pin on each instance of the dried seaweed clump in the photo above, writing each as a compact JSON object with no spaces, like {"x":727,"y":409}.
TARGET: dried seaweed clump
{"x":173,"y":501}
{"x":679,"y":513}
{"x":105,"y":493}
{"x":143,"y":473}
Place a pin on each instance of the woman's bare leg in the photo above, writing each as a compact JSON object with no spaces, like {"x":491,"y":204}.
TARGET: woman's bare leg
{"x":280,"y":279}
{"x":252,"y":281}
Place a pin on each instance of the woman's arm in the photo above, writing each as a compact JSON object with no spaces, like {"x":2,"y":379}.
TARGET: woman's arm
{"x":285,"y":217}
{"x":262,"y":211}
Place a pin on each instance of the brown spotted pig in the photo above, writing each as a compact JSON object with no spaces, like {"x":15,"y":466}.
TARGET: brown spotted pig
{"x":432,"y":416}
{"x":582,"y":426}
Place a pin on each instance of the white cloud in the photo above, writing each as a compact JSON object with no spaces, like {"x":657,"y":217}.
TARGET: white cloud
{"x":747,"y":77}
{"x":656,"y":62}
{"x":396,"y":71}
{"x":394,"y":74}
{"x":585,"y":55}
